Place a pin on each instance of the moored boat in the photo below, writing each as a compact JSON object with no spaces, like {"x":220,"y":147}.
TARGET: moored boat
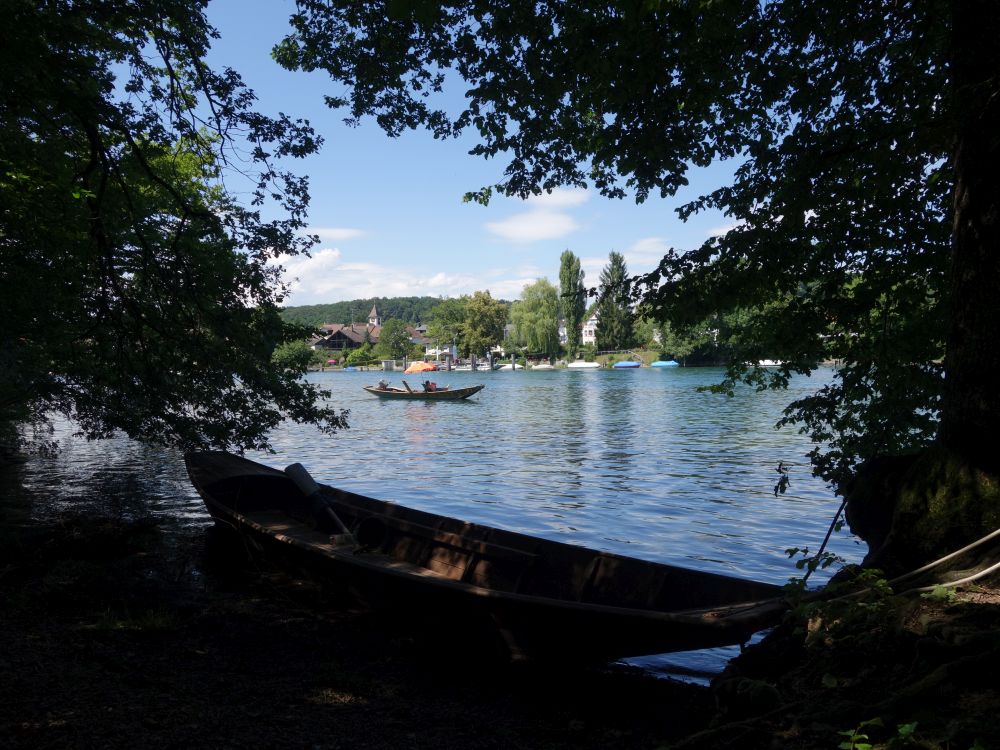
{"x":580,"y":365}
{"x":535,"y":598}
{"x":627,"y":364}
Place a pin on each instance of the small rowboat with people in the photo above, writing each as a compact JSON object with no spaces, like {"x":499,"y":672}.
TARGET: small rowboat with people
{"x":426,"y":391}
{"x":488,"y":589}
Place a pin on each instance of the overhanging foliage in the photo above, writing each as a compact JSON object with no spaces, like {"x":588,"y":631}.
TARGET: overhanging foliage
{"x":138,"y":294}
{"x":842,"y":118}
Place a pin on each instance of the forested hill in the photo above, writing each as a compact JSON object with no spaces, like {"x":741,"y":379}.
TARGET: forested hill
{"x":409,"y":309}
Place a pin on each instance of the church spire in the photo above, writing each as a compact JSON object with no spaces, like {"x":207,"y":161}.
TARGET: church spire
{"x":373,"y":317}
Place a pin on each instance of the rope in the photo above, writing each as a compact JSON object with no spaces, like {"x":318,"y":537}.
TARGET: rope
{"x":946,"y":558}
{"x":959,"y":582}
{"x":826,"y":539}
{"x":924,"y":568}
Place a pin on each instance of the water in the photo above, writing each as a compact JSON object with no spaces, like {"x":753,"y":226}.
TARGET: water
{"x":637,"y":462}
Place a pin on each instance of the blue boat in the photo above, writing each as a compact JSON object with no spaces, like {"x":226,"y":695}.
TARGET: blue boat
{"x":625,"y":365}
{"x":665,"y":363}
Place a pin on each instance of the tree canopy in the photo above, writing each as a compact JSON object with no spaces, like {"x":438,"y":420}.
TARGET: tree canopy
{"x":139,"y":293}
{"x":615,"y":319}
{"x":485,"y":319}
{"x":446,"y":321}
{"x":841,"y":120}
{"x":393,"y":340}
{"x":536,"y":318}
{"x":864,"y":204}
{"x":572,"y":297}
{"x":408,"y":309}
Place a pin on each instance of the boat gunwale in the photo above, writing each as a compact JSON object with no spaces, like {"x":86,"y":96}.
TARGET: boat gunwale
{"x":449,"y":394}
{"x":719,"y":616}
{"x":712,"y":617}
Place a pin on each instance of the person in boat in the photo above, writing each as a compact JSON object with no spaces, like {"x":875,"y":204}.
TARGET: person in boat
{"x":383,"y":385}
{"x":430,"y":387}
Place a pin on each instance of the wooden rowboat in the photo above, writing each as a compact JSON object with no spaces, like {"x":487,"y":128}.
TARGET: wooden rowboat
{"x":534,"y":598}
{"x":442,"y":394}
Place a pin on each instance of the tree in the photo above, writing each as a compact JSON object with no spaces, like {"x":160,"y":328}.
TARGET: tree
{"x":293,"y":355}
{"x":572,"y":298}
{"x":615,"y":319}
{"x":536,"y":318}
{"x":485,"y":319}
{"x":864,"y":203}
{"x":362,"y":355}
{"x":677,"y":344}
{"x":408,"y":309}
{"x":393,"y":340}
{"x":446,"y":321}
{"x":139,"y":293}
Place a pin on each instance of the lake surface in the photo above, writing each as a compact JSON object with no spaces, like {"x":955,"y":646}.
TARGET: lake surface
{"x":638,"y":462}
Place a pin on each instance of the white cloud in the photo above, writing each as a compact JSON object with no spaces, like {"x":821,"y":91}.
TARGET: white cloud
{"x":721,"y":231}
{"x":646,"y":253}
{"x":641,"y":257}
{"x":560,"y":198}
{"x":592,"y":268}
{"x":335,"y":234}
{"x":327,"y":276}
{"x":543,"y":220}
{"x":532,"y":226}
{"x":508,"y":283}
{"x":330,"y":275}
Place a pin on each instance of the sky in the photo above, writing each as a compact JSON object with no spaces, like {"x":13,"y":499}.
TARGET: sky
{"x":389,"y":212}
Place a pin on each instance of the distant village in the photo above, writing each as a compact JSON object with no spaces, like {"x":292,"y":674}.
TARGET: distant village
{"x":340,"y":338}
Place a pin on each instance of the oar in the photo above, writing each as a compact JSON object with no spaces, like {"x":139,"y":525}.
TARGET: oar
{"x":320,"y":505}
{"x":408,"y":386}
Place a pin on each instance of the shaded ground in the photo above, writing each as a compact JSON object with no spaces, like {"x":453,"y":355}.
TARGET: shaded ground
{"x":109,"y":639}
{"x":115,"y":635}
{"x":914,"y":671}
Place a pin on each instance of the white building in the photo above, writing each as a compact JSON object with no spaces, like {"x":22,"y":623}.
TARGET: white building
{"x":589,"y":333}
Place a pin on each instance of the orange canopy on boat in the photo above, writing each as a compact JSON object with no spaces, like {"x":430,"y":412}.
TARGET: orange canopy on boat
{"x":421,"y":367}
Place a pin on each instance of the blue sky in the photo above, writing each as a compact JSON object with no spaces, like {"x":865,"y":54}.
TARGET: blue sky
{"x":389,"y":212}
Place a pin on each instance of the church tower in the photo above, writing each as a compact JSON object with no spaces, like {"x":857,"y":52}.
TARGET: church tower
{"x":373,"y":317}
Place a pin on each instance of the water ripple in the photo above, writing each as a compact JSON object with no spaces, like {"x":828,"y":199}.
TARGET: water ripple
{"x":637,"y":462}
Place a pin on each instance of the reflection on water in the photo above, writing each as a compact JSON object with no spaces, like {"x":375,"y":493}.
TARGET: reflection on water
{"x":633,"y":461}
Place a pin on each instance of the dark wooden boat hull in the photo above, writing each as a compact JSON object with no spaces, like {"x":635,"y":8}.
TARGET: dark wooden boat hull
{"x":452,"y":394}
{"x":533,"y":598}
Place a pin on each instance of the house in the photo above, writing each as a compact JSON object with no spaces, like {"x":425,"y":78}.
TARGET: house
{"x":589,"y":332}
{"x":418,"y":335}
{"x":340,"y":337}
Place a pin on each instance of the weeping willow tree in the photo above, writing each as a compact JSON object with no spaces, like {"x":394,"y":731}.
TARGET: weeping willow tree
{"x":536,"y":318}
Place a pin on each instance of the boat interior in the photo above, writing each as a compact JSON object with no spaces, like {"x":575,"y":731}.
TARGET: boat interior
{"x":482,"y":556}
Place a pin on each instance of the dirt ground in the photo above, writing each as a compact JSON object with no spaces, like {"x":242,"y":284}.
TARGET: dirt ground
{"x":116,"y":635}
{"x":110,"y":638}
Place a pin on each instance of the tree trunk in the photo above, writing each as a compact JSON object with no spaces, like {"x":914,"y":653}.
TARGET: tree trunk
{"x":970,"y":423}
{"x":918,"y":508}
